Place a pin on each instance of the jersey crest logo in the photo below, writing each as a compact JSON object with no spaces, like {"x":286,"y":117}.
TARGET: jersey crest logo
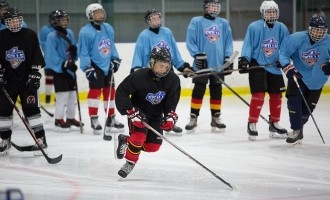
{"x":310,"y":57}
{"x":212,"y":33}
{"x":155,"y":98}
{"x":104,"y":47}
{"x":269,"y":46}
{"x":15,"y":57}
{"x":162,"y":44}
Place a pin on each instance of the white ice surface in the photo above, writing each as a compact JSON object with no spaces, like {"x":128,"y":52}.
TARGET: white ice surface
{"x":263,"y":169}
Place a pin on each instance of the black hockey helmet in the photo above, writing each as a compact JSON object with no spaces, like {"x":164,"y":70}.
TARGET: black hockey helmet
{"x":4,"y":4}
{"x":160,"y":54}
{"x":10,"y":15}
{"x":58,"y":15}
{"x":216,"y":7}
{"x":50,"y":17}
{"x":318,"y":27}
{"x":151,"y":13}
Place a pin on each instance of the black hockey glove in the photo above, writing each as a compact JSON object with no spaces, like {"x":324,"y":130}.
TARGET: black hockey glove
{"x":33,"y":81}
{"x":114,"y":64}
{"x":71,"y":66}
{"x":135,"y":69}
{"x":72,"y":49}
{"x":326,"y":68}
{"x":243,"y":64}
{"x":278,"y":64}
{"x":201,"y":61}
{"x":3,"y":81}
{"x":136,"y":118}
{"x":91,"y":74}
{"x":290,"y":71}
{"x":169,"y":121}
{"x":229,"y":69}
{"x":186,"y":69}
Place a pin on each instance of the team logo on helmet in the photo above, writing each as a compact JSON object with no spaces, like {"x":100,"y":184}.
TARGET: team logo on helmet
{"x":155,"y":98}
{"x":310,"y":57}
{"x":15,"y":57}
{"x":269,"y":46}
{"x":104,"y":47}
{"x":162,"y":44}
{"x":212,"y":33}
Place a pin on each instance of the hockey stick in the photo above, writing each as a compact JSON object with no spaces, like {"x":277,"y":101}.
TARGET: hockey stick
{"x":108,"y":137}
{"x":79,"y":111}
{"x":46,"y":111}
{"x":309,"y":110}
{"x":185,"y":153}
{"x":239,"y":96}
{"x":50,"y":160}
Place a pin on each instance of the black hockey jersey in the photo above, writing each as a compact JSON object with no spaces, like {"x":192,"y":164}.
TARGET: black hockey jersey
{"x":152,"y":95}
{"x":18,"y":52}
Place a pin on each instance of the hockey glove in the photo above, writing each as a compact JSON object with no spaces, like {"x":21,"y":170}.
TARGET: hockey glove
{"x":33,"y":81}
{"x":72,"y":49}
{"x":229,"y":69}
{"x":243,"y":64}
{"x":114,"y":64}
{"x":290,"y":71}
{"x":3,"y":81}
{"x":169,"y":121}
{"x":201,"y":61}
{"x":136,"y":118}
{"x":135,"y":69}
{"x":278,"y":64}
{"x":69,"y":66}
{"x":91,"y":74}
{"x":186,"y":69}
{"x":326,"y":68}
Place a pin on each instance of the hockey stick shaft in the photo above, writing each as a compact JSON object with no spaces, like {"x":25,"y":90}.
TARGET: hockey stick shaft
{"x":108,"y":104}
{"x":46,"y":111}
{"x":185,"y":153}
{"x":50,"y":160}
{"x":78,"y":104}
{"x":239,"y":96}
{"x":308,"y":108}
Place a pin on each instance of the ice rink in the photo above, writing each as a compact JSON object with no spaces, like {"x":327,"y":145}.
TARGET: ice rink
{"x":266,"y":169}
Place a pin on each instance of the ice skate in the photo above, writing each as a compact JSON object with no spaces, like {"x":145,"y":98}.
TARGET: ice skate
{"x":43,"y":144}
{"x":217,"y":125}
{"x":120,"y":145}
{"x":252,"y":131}
{"x":191,"y":126}
{"x":74,"y":124}
{"x":4,"y":146}
{"x":126,"y":169}
{"x":295,"y":137}
{"x":177,"y":131}
{"x":112,"y":126}
{"x":96,"y":126}
{"x":276,"y":131}
{"x":61,"y":126}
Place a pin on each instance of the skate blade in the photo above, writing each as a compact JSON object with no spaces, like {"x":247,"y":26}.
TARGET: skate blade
{"x":191,"y":131}
{"x":170,"y":133}
{"x":62,"y":130}
{"x":297,"y":143}
{"x":114,"y":130}
{"x":276,"y":135}
{"x":252,"y":138}
{"x":97,"y":132}
{"x":218,"y":130}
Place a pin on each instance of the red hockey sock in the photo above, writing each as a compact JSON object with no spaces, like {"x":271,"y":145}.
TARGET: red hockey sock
{"x":257,"y":101}
{"x":275,"y":104}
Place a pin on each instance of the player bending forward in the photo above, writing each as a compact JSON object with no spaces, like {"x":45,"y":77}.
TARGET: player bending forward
{"x":152,"y":100}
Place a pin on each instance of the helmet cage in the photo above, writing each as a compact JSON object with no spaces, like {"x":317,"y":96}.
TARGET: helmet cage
{"x":91,"y":15}
{"x":13,"y":20}
{"x":212,"y":8}
{"x":160,"y":55}
{"x":317,"y":34}
{"x":150,"y":14}
{"x":269,"y":11}
{"x":58,"y":15}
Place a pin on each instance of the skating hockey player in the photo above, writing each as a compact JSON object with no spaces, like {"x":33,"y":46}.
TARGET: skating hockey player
{"x":310,"y":54}
{"x":261,"y":46}
{"x":152,"y":101}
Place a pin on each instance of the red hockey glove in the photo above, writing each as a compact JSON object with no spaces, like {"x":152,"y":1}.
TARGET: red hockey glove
{"x":169,"y":121}
{"x":290,"y":71}
{"x":136,"y":118}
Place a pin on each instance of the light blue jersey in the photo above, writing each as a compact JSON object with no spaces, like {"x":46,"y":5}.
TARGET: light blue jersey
{"x":213,"y":37}
{"x":307,"y":58}
{"x":56,"y":47}
{"x":96,"y":46}
{"x":43,"y":33}
{"x":148,"y":39}
{"x":263,"y":44}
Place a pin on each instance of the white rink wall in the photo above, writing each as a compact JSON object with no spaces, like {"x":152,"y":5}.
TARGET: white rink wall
{"x":126,"y":51}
